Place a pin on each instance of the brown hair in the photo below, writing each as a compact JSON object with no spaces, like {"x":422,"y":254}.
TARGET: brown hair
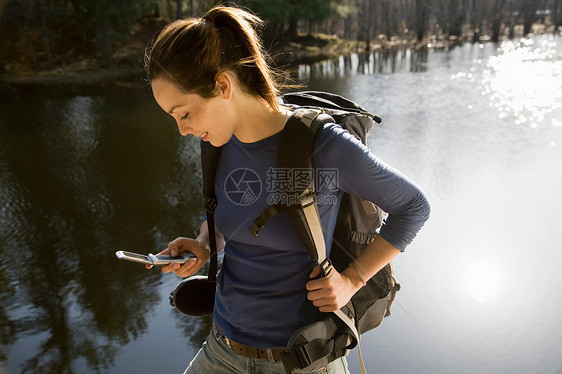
{"x":192,"y":52}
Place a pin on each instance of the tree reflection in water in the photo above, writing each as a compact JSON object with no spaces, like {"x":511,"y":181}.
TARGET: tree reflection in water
{"x":7,"y":325}
{"x":379,"y":61}
{"x":195,"y":329}
{"x":74,"y":189}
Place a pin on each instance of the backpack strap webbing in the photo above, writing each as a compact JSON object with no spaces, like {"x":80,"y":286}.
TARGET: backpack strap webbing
{"x":209,"y":161}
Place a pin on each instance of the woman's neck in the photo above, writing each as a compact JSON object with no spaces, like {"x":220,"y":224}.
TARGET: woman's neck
{"x":256,"y":120}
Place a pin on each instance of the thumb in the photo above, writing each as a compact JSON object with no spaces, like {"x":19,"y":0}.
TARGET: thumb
{"x":174,"y":249}
{"x":315,"y":272}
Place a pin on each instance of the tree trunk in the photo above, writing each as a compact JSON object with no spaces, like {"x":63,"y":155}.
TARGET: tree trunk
{"x":292,"y":30}
{"x":477,"y":22}
{"x":386,"y":13}
{"x":421,"y":19}
{"x":104,"y":37}
{"x":369,"y":25}
{"x":457,"y":19}
{"x":25,"y":36}
{"x":528,"y":13}
{"x":179,"y":9}
{"x":170,"y":16}
{"x":497,"y":19}
{"x":557,"y":13}
{"x":46,"y":41}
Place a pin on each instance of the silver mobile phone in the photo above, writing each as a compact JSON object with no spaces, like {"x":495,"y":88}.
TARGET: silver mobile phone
{"x":151,"y":259}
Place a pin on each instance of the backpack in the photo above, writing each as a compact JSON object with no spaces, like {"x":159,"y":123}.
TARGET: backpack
{"x":314,"y":346}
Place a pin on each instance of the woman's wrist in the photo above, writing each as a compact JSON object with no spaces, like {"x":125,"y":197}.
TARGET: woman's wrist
{"x":203,"y":244}
{"x":354,"y":273}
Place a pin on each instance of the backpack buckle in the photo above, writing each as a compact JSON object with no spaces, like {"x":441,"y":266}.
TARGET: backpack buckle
{"x":254,"y":229}
{"x":326,"y":267}
{"x":303,"y":356}
{"x":307,"y":198}
{"x":265,"y":215}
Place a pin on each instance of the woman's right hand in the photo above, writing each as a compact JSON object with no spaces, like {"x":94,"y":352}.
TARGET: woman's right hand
{"x":192,"y":266}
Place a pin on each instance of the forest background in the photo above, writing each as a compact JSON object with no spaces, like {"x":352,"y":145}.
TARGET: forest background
{"x":46,"y":38}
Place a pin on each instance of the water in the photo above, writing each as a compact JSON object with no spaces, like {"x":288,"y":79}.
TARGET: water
{"x":479,"y":127}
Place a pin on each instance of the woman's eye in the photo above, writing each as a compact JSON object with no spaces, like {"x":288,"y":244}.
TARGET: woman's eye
{"x":185,"y":116}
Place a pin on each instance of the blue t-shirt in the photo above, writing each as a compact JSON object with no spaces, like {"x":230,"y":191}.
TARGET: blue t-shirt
{"x":261,"y":294}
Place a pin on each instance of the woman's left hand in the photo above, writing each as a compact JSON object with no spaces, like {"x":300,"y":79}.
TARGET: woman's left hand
{"x":331,"y":292}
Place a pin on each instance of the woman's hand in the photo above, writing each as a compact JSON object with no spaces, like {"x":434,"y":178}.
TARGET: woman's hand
{"x":192,"y":266}
{"x":335,"y":290}
{"x":332,"y":292}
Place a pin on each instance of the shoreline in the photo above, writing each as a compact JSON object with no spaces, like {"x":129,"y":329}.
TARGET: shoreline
{"x":85,"y":77}
{"x":76,"y":82}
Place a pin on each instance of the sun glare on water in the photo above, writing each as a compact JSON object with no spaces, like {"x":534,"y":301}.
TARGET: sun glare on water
{"x":482,"y":280}
{"x":524,"y":80}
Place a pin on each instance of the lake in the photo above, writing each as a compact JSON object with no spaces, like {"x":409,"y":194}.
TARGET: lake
{"x":477,"y":126}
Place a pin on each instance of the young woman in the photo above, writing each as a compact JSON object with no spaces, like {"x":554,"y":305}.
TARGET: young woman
{"x":211,"y":75}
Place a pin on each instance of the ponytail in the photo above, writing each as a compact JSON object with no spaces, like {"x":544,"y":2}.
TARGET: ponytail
{"x":193,"y":52}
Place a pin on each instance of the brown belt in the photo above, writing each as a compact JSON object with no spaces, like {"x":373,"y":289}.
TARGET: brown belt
{"x":251,"y":352}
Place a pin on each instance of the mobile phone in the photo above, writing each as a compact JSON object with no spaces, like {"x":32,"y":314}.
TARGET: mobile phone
{"x":151,"y":259}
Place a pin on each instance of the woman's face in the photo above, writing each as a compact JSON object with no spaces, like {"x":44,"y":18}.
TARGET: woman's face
{"x":195,"y":115}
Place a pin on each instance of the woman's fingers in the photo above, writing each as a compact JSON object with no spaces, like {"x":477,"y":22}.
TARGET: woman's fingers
{"x":187,"y":269}
{"x":191,"y":266}
{"x":182,"y":270}
{"x":315,"y":272}
{"x":176,"y":246}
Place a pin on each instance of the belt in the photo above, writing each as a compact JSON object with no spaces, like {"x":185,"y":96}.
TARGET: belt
{"x":251,"y":352}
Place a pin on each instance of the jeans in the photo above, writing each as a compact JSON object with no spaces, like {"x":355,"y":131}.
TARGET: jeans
{"x":215,"y":357}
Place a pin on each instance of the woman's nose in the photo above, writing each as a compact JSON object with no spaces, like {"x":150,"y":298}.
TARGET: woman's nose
{"x":184,"y":130}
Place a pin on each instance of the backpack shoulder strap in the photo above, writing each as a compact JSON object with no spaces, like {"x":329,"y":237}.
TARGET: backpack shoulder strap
{"x":306,"y":217}
{"x":209,"y":160}
{"x":296,"y":150}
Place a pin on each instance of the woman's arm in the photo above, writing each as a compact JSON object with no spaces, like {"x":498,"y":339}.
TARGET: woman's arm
{"x":362,"y":174}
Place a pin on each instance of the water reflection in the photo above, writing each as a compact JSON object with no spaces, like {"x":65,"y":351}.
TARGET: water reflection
{"x":532,"y":96}
{"x":472,"y":300}
{"x":483,"y":279}
{"x":75,"y":187}
{"x":380,"y":61}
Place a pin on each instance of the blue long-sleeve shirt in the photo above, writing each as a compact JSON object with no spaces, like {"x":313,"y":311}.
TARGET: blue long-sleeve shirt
{"x":261,"y":296}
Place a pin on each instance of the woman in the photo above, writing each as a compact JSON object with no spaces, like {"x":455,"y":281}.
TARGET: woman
{"x":211,"y":75}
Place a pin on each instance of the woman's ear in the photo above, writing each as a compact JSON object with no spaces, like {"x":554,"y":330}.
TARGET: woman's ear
{"x":224,"y":85}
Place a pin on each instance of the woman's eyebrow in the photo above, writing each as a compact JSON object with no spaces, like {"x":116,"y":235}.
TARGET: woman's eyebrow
{"x":173,"y":108}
